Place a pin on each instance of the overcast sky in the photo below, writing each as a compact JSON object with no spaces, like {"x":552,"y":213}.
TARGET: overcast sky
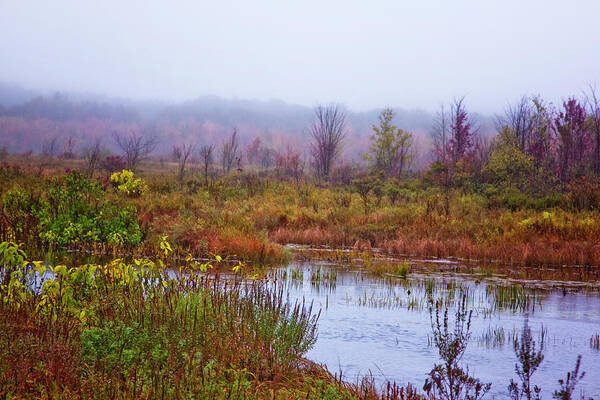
{"x":365,"y":54}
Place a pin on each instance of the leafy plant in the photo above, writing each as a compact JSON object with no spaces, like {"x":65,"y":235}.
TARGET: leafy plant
{"x":76,"y":210}
{"x":133,"y":330}
{"x":127,"y":184}
{"x":16,"y":208}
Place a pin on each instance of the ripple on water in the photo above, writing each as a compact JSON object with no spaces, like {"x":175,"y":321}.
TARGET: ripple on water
{"x":367,"y":325}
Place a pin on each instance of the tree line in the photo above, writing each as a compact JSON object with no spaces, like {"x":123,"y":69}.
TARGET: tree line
{"x":538,"y":147}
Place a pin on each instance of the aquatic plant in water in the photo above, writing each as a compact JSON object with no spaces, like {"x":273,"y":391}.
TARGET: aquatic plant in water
{"x":595,"y":342}
{"x":567,"y":387}
{"x":529,"y":359}
{"x":449,"y":381}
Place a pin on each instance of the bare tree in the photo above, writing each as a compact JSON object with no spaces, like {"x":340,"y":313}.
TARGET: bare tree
{"x":259,"y":154}
{"x":182,"y":155}
{"x":541,"y":141}
{"x":92,"y":155}
{"x":206,"y":158}
{"x":50,"y":147}
{"x":593,"y":105}
{"x":229,"y":151}
{"x":518,"y":118}
{"x":267,"y":156}
{"x":328,"y":131}
{"x":290,"y":165}
{"x":481,"y":152}
{"x":439,"y":133}
{"x":253,"y":151}
{"x":454,"y":138}
{"x":68,"y":150}
{"x":135,"y":147}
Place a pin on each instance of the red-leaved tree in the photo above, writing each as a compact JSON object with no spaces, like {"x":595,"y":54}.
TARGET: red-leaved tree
{"x":573,"y":139}
{"x":462,"y":132}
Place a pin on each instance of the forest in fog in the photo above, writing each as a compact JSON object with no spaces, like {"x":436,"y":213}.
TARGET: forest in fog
{"x":32,"y":120}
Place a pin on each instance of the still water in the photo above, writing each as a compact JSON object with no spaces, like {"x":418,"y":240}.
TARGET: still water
{"x":381,"y":325}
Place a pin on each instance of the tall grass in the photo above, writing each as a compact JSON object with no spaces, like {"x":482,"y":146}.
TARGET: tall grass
{"x":123,"y":330}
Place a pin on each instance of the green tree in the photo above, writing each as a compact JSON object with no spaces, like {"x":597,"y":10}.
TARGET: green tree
{"x":367,"y":184}
{"x":390,"y":146}
{"x":508,"y":165}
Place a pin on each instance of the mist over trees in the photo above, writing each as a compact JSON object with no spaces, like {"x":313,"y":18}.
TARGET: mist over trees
{"x":532,"y":145}
{"x":28,"y":118}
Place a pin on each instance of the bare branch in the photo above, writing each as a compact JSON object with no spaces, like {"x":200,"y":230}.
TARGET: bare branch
{"x":593,"y":106}
{"x":135,"y":147}
{"x":328,"y":131}
{"x":182,"y":155}
{"x":206,"y":158}
{"x":229,"y":151}
{"x":92,"y":155}
{"x":50,"y":147}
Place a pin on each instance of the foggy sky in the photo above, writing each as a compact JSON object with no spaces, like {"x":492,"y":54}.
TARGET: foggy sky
{"x":365,"y":54}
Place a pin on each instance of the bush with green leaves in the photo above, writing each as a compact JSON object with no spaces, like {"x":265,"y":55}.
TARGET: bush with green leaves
{"x":16,"y":208}
{"x":76,"y":210}
{"x":127,"y":184}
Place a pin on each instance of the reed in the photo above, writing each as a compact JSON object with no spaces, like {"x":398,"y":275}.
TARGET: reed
{"x":595,"y":342}
{"x":515,"y":298}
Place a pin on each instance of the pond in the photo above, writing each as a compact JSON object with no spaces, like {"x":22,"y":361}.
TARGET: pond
{"x":381,"y":325}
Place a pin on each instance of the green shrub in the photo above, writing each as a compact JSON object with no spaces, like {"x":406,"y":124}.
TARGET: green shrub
{"x":514,"y":200}
{"x":75,"y":210}
{"x":16,"y":207}
{"x":550,"y":201}
{"x":127,"y":184}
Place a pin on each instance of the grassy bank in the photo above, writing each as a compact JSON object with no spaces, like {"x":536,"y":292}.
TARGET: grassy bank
{"x":250,"y":215}
{"x":130,"y":330}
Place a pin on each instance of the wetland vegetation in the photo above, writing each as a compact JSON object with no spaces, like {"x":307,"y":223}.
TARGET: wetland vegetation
{"x":124,"y":276}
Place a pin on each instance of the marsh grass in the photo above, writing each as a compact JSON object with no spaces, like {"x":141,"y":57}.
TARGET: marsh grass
{"x":251,"y":216}
{"x":515,"y":298}
{"x":496,"y":337}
